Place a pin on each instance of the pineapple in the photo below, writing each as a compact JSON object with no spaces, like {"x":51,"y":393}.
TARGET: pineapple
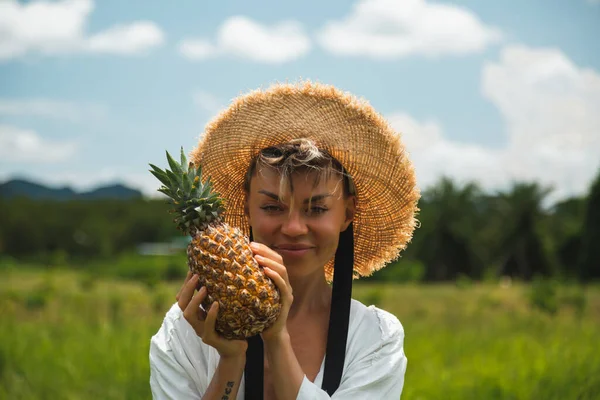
{"x":249,"y":302}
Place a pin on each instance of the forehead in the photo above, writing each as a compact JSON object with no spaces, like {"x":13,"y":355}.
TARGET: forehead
{"x":304,"y":183}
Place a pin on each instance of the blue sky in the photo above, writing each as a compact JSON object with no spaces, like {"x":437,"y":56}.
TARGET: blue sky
{"x":91,"y":92}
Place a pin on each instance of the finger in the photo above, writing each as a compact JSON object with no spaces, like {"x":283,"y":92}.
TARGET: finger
{"x":201,"y":314}
{"x":281,"y":284}
{"x":194,"y":304}
{"x":210,"y":323}
{"x":266,"y":251}
{"x":274,"y":265}
{"x":187,"y":278}
{"x":187,"y":292}
{"x":194,"y":314}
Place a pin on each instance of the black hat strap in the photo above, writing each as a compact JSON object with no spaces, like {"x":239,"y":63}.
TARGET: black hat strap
{"x":255,"y":365}
{"x":337,"y":335}
{"x":339,"y":317}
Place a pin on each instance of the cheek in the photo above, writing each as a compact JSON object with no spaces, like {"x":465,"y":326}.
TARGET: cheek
{"x":261,"y":227}
{"x":328,"y":234}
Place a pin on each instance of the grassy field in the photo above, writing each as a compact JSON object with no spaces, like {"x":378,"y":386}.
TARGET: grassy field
{"x":68,"y":335}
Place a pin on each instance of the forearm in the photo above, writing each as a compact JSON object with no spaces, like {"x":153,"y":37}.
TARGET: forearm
{"x":226,"y":380}
{"x":286,"y":373}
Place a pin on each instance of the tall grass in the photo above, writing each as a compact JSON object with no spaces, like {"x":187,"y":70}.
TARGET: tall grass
{"x":70,"y":335}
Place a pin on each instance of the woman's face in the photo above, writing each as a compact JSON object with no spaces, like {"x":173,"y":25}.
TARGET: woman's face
{"x":305,"y":236}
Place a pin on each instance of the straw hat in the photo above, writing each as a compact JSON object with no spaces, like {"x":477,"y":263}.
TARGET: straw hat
{"x":349,"y":129}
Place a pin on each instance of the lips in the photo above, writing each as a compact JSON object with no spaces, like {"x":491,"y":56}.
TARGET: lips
{"x":292,"y":250}
{"x":293,"y":246}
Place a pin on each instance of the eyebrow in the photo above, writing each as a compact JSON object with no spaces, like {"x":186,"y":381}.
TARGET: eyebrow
{"x":313,"y":198}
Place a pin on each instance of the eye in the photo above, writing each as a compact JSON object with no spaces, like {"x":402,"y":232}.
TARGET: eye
{"x":316,"y":210}
{"x":271,"y":208}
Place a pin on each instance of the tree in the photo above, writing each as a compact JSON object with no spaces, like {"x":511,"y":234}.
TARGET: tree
{"x":589,"y":256}
{"x":444,"y":241}
{"x":521,"y":250}
{"x":565,"y":226}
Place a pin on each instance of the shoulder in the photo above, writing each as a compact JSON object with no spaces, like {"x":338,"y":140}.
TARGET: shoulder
{"x":372,"y":328}
{"x":374,"y":320}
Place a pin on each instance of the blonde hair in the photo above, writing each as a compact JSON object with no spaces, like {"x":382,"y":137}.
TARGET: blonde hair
{"x":298,"y":155}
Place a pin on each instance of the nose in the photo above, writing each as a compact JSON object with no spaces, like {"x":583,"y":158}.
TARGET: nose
{"x":294,"y":225}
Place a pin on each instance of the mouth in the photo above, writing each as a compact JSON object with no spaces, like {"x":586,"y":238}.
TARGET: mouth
{"x":293,"y":250}
{"x":293,"y":247}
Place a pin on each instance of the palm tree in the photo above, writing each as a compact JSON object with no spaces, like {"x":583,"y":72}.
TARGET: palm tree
{"x":565,"y":226}
{"x":521,"y":251}
{"x":589,"y":257}
{"x":444,"y":243}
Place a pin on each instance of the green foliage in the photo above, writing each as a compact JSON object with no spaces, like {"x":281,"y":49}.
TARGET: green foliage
{"x":115,"y":307}
{"x":444,"y":242}
{"x":173,"y":270}
{"x":194,"y":201}
{"x":87,"y":281}
{"x":574,"y":296}
{"x":79,"y":345}
{"x":400,"y":271}
{"x":476,"y":342}
{"x":36,"y":300}
{"x":61,"y":232}
{"x":373,"y":296}
{"x":463,"y":281}
{"x":544,"y":295}
{"x":589,"y":257}
{"x":564,"y":228}
{"x":145,"y":269}
{"x":463,"y":232}
{"x":521,"y":247}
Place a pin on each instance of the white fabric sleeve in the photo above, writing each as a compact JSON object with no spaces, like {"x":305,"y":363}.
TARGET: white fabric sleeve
{"x":179,"y":361}
{"x":377,"y":373}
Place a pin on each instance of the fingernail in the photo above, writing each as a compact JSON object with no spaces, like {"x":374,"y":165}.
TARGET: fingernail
{"x":253,"y":245}
{"x":202,"y":290}
{"x":258,"y":257}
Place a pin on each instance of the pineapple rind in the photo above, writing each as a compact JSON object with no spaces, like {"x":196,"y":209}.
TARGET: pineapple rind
{"x":249,"y":302}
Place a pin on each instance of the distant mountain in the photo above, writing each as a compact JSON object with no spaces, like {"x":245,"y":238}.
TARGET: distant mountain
{"x":117,"y":191}
{"x":23,"y":188}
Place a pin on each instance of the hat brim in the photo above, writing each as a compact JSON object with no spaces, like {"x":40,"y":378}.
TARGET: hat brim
{"x":349,"y":129}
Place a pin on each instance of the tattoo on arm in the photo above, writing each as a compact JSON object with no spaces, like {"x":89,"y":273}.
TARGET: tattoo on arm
{"x":227,"y":390}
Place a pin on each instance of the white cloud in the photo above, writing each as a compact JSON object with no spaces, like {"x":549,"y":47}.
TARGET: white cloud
{"x":22,"y":145}
{"x":207,"y":102}
{"x":46,"y":108}
{"x":434,"y":155}
{"x":391,"y":29}
{"x":59,"y":27}
{"x":244,"y":38}
{"x":551,"y":110}
{"x":197,"y":49}
{"x":550,"y":107}
{"x":136,"y":37}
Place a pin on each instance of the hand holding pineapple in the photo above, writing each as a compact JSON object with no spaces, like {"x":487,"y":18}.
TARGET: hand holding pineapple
{"x":220,"y":254}
{"x":204,"y":322}
{"x":272,"y":262}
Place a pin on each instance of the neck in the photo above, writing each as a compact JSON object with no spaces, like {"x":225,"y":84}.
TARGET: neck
{"x":312,"y":294}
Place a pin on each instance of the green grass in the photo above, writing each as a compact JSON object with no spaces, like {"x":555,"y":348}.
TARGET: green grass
{"x":72,"y":335}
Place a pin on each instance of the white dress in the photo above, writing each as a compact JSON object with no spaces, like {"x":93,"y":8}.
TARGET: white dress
{"x":182,"y":365}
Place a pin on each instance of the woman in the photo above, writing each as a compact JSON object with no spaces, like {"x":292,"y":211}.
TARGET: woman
{"x":324,"y":187}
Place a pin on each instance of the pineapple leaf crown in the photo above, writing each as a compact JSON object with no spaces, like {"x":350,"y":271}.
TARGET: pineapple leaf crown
{"x":195,"y":204}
